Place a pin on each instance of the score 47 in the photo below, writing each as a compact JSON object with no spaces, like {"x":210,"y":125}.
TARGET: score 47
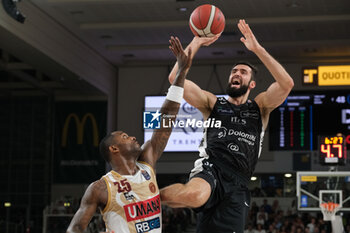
{"x":328,"y":149}
{"x":332,"y":150}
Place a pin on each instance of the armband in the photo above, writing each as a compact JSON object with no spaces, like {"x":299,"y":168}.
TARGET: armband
{"x":175,"y":93}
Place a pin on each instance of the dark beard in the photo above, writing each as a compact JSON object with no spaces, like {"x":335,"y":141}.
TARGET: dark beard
{"x":236,"y":92}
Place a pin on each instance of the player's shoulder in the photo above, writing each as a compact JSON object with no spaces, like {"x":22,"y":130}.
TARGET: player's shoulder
{"x":145,"y":166}
{"x":100,"y":184}
{"x":211,"y":99}
{"x":96,"y":194}
{"x":97,"y":187}
{"x":260,"y":101}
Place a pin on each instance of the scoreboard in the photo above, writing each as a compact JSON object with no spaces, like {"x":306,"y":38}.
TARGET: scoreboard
{"x":304,"y":117}
{"x":332,"y":150}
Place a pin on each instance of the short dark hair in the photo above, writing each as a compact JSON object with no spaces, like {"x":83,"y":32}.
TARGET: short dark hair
{"x":105,"y":143}
{"x":254,"y":68}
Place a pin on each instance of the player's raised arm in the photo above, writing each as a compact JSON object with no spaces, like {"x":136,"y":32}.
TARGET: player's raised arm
{"x":195,"y":44}
{"x":155,"y":147}
{"x":279,"y":90}
{"x":193,"y":94}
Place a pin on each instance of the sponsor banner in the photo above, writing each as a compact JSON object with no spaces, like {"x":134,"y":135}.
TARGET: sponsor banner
{"x":327,"y":75}
{"x":187,"y":130}
{"x":309,"y":76}
{"x":142,"y":209}
{"x":79,"y":127}
{"x":179,"y":141}
{"x":309,"y":178}
{"x":304,"y":202}
{"x":333,"y":75}
{"x":147,"y":226}
{"x":183,"y":123}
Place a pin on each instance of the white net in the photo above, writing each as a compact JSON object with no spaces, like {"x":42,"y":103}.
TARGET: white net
{"x":329,"y":210}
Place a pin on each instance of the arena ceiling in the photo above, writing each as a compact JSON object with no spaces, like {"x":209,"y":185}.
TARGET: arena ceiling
{"x":136,"y":32}
{"x":132,"y":31}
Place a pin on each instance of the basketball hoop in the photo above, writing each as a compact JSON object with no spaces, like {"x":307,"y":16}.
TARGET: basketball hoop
{"x":328,"y":210}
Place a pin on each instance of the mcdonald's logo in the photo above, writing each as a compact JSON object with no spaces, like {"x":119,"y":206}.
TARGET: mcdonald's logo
{"x":80,"y":128}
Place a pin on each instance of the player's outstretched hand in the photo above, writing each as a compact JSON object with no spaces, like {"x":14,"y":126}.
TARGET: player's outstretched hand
{"x":248,"y":38}
{"x":184,"y":60}
{"x":206,"y":41}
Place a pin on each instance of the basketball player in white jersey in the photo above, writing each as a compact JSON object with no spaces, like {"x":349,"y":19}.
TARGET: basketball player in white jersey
{"x":128,"y":195}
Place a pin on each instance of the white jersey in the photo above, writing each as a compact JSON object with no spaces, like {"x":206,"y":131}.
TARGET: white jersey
{"x":133,"y":202}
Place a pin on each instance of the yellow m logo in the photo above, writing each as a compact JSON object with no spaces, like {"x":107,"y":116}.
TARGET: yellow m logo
{"x":80,"y":128}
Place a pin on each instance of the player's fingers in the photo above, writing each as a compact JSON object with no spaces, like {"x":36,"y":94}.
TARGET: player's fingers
{"x":244,"y":26}
{"x":173,"y":45}
{"x":214,"y":38}
{"x":247,"y":28}
{"x":240,"y":27}
{"x":178,"y":44}
{"x":244,"y":22}
{"x":189,"y":54}
{"x":171,"y":41}
{"x":172,"y":50}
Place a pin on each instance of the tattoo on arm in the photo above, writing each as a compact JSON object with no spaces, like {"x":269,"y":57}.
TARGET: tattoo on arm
{"x":160,"y":136}
{"x":161,"y":141}
{"x":89,"y":203}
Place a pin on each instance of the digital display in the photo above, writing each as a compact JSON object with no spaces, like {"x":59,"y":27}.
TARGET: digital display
{"x":333,"y":75}
{"x":327,"y":75}
{"x":182,"y":139}
{"x":332,"y":150}
{"x":303,"y":117}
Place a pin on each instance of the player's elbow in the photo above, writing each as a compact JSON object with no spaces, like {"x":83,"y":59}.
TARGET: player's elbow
{"x":171,"y":78}
{"x":196,"y":198}
{"x":290,"y":84}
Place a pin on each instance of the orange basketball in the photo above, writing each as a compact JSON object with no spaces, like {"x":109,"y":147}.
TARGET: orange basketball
{"x":207,"y":21}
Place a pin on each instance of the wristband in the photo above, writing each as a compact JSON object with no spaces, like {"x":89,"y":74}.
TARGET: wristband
{"x":175,"y":93}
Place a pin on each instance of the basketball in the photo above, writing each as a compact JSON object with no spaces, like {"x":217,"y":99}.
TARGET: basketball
{"x":207,"y":21}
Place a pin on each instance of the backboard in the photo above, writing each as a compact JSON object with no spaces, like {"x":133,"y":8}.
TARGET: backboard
{"x":318,"y":187}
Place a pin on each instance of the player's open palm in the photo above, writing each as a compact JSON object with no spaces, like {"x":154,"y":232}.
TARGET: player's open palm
{"x":248,"y":38}
{"x":206,"y":41}
{"x":184,"y":60}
